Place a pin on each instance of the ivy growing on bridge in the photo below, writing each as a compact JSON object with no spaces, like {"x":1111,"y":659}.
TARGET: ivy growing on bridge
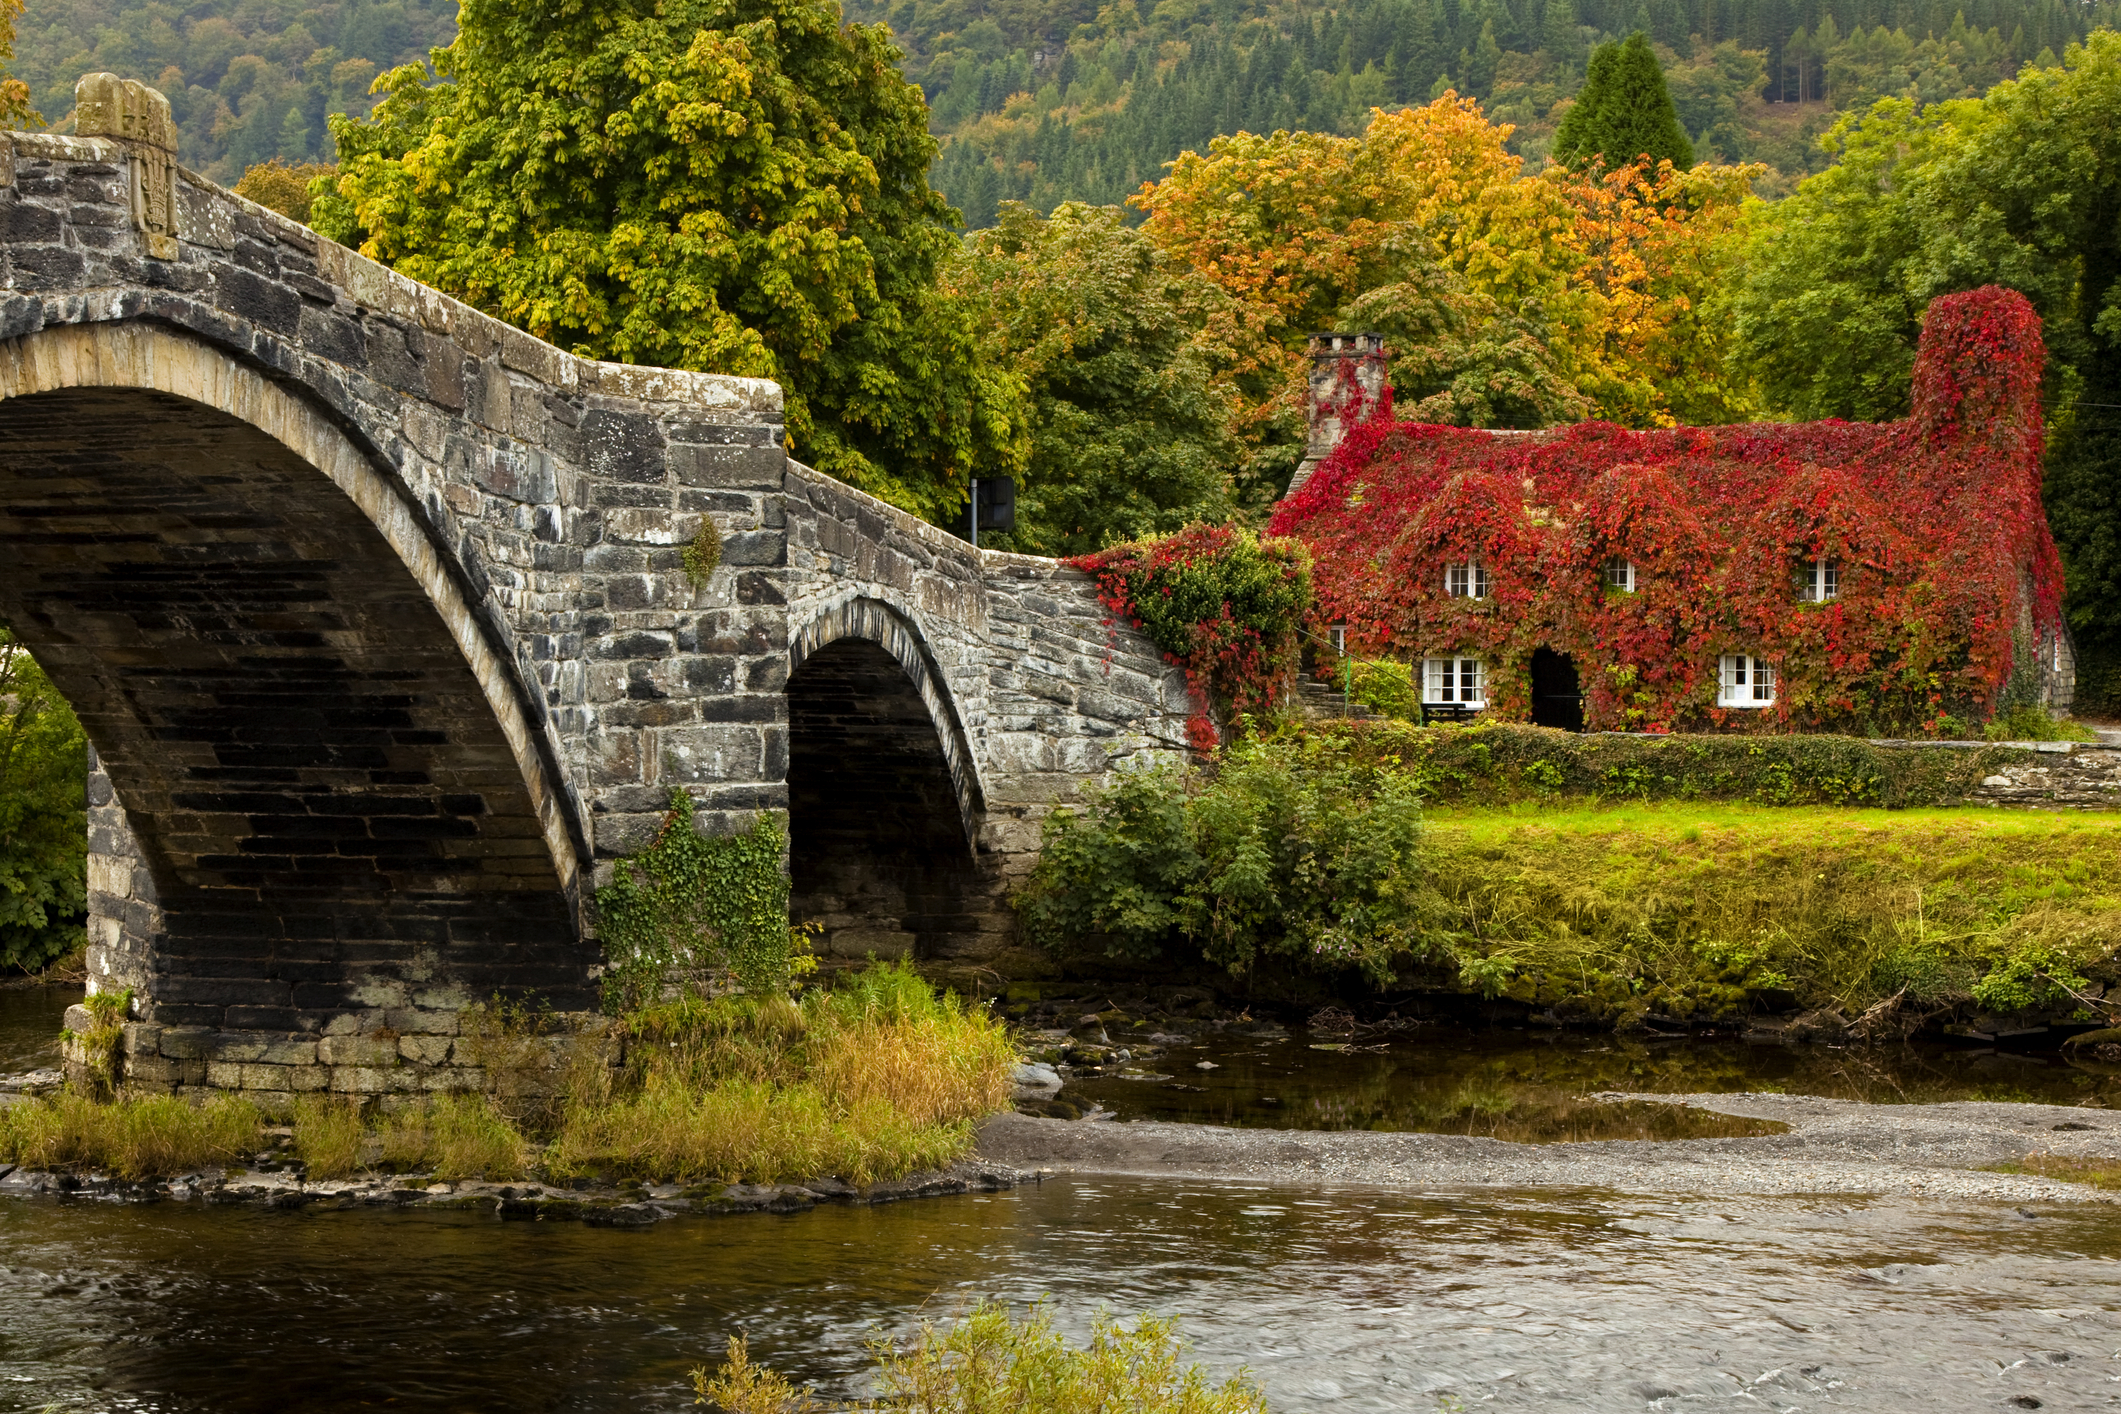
{"x":1226,"y":605}
{"x":708,"y":908}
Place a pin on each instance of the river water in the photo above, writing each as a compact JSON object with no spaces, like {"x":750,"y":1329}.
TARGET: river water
{"x":1335,"y":1298}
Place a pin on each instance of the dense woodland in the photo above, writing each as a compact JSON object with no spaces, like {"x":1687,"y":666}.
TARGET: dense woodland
{"x":247,"y":80}
{"x":1070,"y":100}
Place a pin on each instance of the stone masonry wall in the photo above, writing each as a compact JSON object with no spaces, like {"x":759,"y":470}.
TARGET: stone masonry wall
{"x":529,"y":511}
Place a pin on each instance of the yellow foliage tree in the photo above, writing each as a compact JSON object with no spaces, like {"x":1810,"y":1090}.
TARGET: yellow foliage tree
{"x":1612,"y":272}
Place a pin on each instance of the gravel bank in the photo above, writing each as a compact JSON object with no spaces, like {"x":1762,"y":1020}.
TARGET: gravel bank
{"x":636,"y":1206}
{"x":1833,"y":1146}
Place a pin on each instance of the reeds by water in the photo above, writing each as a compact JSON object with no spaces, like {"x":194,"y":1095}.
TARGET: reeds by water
{"x":873,"y":1079}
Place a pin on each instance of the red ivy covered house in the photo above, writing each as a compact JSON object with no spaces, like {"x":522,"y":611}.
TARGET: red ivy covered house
{"x":1886,"y":579}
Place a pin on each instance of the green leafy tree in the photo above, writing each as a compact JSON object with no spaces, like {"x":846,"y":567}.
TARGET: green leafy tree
{"x":43,"y":816}
{"x":2019,"y":188}
{"x":1825,"y":319}
{"x":1459,"y":356}
{"x":736,"y":186}
{"x":1623,"y":113}
{"x":1130,"y":435}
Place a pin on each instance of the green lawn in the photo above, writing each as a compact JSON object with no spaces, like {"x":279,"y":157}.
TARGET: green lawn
{"x":1691,"y":908}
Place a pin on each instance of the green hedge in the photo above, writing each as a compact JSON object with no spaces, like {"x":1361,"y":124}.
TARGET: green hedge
{"x":1503,"y":764}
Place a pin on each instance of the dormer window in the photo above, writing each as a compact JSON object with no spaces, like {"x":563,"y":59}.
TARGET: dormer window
{"x":1466,"y":581}
{"x":1819,"y":581}
{"x":1620,"y":575}
{"x":1744,"y":681}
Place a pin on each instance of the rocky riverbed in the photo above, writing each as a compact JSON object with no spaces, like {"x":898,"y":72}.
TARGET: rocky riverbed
{"x":637,"y":1205}
{"x":1831,"y":1146}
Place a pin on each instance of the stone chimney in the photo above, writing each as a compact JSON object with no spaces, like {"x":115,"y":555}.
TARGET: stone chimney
{"x":1347,"y":385}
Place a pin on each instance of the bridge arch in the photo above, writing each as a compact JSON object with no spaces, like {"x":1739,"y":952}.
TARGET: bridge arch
{"x":884,"y":796}
{"x":337,"y":779}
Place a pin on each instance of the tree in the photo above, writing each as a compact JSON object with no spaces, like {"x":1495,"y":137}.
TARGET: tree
{"x":43,"y":821}
{"x":1130,"y":432}
{"x":14,"y":94}
{"x":736,"y":186}
{"x":2019,"y":188}
{"x":1624,"y":112}
{"x":284,"y":188}
{"x":1459,"y":357}
{"x":1429,"y":225}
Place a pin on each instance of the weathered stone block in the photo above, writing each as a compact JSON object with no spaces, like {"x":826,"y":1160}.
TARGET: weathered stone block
{"x":357,"y":1051}
{"x":424,"y":1050}
{"x":363,"y":1080}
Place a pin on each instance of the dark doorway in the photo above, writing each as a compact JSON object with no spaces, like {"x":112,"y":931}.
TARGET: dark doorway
{"x":1557,"y":695}
{"x":877,"y":846}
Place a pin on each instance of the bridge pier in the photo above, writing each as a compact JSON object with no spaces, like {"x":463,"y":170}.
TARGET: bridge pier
{"x":376,"y":611}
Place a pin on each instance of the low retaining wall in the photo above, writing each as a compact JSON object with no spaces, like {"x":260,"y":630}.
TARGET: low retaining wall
{"x":273,"y":1068}
{"x":2063,"y":775}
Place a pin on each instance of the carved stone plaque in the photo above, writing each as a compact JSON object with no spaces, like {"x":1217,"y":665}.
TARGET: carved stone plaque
{"x":134,"y":114}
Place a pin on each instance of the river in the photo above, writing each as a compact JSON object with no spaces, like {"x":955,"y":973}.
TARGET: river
{"x":1336,"y":1298}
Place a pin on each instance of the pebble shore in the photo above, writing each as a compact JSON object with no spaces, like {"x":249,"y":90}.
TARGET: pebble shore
{"x":1833,"y":1146}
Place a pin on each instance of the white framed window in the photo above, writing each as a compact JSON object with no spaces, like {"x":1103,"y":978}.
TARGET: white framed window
{"x":1620,"y":575}
{"x":1459,"y":682}
{"x":1819,"y":581}
{"x":1744,"y":681}
{"x":1337,"y":635}
{"x":1466,"y":581}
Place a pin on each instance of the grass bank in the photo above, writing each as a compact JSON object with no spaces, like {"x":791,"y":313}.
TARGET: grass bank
{"x":1359,"y":859}
{"x":1695,"y":910}
{"x":874,"y":1078}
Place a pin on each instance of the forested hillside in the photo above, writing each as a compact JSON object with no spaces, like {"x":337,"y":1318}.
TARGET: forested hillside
{"x":1051,"y":100}
{"x":247,"y":79}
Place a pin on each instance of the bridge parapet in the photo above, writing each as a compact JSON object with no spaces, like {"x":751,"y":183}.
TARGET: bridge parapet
{"x":377,"y":613}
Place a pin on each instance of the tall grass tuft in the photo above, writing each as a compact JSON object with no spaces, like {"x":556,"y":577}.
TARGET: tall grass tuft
{"x":875,"y":1078}
{"x":987,"y":1361}
{"x":329,"y":1134}
{"x":455,"y":1137}
{"x":134,"y":1138}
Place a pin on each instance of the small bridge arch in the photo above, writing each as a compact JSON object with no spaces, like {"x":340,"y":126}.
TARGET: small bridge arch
{"x":885,"y":805}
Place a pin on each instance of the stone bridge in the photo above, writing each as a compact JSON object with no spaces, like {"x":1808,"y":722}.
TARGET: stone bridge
{"x":377,"y":613}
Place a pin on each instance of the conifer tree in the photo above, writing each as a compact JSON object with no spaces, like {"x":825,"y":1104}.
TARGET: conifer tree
{"x":1624,"y":112}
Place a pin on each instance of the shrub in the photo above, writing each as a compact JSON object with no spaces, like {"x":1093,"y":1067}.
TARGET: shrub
{"x":1380,"y":684}
{"x":1222,"y":602}
{"x":1500,"y":763}
{"x":1295,"y":849}
{"x":2035,"y":723}
{"x":987,"y":1361}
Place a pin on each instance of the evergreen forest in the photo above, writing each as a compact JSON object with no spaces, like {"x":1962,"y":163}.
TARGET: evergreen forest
{"x":1070,"y":100}
{"x":247,"y":80}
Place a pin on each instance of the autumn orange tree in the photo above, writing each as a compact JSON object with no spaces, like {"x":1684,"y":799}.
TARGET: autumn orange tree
{"x":1583,"y":295}
{"x":1647,"y":251}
